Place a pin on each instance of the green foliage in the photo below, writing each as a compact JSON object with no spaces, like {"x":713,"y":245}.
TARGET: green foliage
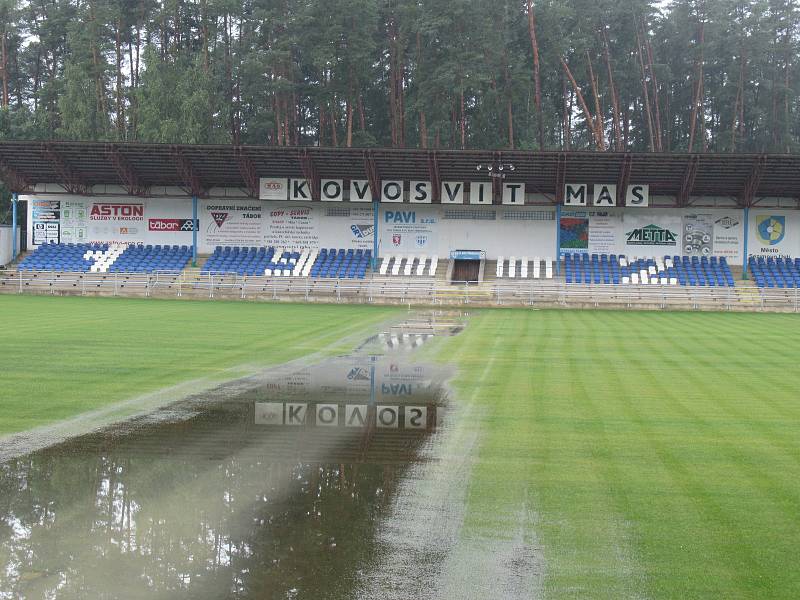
{"x":403,"y":72}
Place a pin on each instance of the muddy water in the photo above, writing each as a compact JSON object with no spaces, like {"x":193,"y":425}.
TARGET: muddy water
{"x":271,"y":488}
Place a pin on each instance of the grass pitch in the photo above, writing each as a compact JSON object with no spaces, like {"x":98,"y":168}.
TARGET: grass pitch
{"x":65,"y":356}
{"x":649,"y":455}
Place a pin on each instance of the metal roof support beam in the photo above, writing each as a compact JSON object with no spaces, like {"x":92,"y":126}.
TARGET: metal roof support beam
{"x":561,"y":177}
{"x":13,"y":179}
{"x":191,"y":182}
{"x":687,"y":183}
{"x":435,"y":176}
{"x":624,"y":178}
{"x":373,"y":176}
{"x":311,"y":174}
{"x":128,"y":177}
{"x":498,"y":179}
{"x":248,"y":172}
{"x":71,"y":181}
{"x":748,"y":193}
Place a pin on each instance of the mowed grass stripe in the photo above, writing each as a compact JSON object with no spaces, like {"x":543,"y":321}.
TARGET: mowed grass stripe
{"x":674,"y":456}
{"x":659,"y":455}
{"x":64,"y":356}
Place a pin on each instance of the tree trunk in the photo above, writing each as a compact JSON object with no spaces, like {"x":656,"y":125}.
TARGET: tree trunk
{"x":120,"y":101}
{"x":645,"y":94}
{"x":362,"y":121}
{"x":537,"y":83}
{"x":4,"y":67}
{"x":698,"y":93}
{"x":567,"y":104}
{"x":463,"y":119}
{"x":654,"y":81}
{"x":587,"y":114}
{"x":598,"y":113}
{"x":349,"y":141}
{"x":614,"y":95}
{"x":738,"y":107}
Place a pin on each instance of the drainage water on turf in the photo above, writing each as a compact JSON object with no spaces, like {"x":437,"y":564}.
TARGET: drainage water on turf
{"x":272,"y":490}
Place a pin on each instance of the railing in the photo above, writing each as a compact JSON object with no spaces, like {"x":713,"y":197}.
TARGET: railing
{"x":408,"y":290}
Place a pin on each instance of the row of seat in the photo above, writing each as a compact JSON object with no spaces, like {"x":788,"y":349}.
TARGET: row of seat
{"x":107,"y":258}
{"x":667,"y":270}
{"x":407,"y":266}
{"x":518,"y":268}
{"x":146,"y":259}
{"x":340,"y":263}
{"x":772,"y":272}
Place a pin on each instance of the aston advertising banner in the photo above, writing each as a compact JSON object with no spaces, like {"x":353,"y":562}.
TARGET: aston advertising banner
{"x":81,"y":220}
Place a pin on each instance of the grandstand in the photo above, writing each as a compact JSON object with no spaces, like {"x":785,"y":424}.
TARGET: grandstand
{"x":673,"y":229}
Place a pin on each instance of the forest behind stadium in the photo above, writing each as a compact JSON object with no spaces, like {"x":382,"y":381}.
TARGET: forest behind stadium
{"x":688,"y":75}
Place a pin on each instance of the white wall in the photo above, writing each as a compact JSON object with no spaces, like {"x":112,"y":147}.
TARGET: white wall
{"x":6,"y":243}
{"x":405,"y":228}
{"x":497,"y":230}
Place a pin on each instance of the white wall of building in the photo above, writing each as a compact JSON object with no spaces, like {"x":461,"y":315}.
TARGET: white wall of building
{"x":406,"y":228}
{"x":7,"y":242}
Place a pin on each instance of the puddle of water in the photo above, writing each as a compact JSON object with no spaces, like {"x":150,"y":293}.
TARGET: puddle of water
{"x":269,"y":488}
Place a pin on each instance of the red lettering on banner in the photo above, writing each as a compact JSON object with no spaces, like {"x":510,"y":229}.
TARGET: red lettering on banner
{"x":122,"y":212}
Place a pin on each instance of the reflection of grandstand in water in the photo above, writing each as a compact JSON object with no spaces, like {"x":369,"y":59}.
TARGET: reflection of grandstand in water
{"x":200,"y":500}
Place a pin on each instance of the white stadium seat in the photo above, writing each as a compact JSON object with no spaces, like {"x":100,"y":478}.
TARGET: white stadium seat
{"x":409,"y":266}
{"x":523,"y":272}
{"x":500,"y":261}
{"x":434,"y":265}
{"x":421,"y":266}
{"x":512,"y":267}
{"x":548,"y":268}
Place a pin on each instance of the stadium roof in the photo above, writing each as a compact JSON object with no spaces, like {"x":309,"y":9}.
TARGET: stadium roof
{"x":135,"y":167}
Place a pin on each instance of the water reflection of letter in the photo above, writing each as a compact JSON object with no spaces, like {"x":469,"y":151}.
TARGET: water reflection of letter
{"x":355,"y":415}
{"x":269,"y":413}
{"x":388,"y":417}
{"x":416,"y":417}
{"x":295,"y":413}
{"x":327,"y":415}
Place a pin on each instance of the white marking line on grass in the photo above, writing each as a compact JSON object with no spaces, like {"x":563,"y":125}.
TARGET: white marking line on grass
{"x":423,"y":552}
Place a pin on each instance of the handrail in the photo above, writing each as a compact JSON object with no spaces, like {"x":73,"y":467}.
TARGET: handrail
{"x":405,"y":289}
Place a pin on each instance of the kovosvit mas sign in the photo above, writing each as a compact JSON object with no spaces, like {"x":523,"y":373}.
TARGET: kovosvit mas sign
{"x":391,"y":190}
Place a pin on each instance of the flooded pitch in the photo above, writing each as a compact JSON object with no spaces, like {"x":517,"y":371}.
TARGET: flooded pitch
{"x":276,"y":486}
